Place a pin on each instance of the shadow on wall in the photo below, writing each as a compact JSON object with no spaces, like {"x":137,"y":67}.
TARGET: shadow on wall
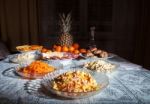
{"x":3,"y":50}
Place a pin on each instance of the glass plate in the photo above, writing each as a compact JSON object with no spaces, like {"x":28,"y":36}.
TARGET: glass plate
{"x":18,"y":71}
{"x":67,"y":56}
{"x":65,"y":61}
{"x":110,"y":55}
{"x":100,"y":78}
{"x":103,"y":71}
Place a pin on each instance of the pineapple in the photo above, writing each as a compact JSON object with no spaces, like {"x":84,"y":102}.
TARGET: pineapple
{"x":65,"y":38}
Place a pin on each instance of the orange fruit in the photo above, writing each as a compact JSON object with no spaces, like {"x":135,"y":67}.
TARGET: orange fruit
{"x":54,"y":46}
{"x":76,"y":51}
{"x":65,"y":49}
{"x":58,"y":49}
{"x":71,"y":49}
{"x":83,"y":50}
{"x":44,"y":50}
{"x":76,"y":45}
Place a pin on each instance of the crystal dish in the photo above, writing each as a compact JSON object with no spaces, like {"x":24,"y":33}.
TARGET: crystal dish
{"x":23,"y":58}
{"x":102,"y":67}
{"x":18,"y":71}
{"x":100,"y":78}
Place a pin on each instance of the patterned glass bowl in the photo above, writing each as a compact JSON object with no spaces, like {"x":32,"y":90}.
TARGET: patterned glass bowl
{"x":18,"y":70}
{"x":110,"y":55}
{"x":100,"y":78}
{"x":116,"y":66}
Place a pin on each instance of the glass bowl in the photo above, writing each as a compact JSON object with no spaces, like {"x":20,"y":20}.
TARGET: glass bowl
{"x":23,"y":58}
{"x":100,"y":78}
{"x":116,"y":66}
{"x":18,"y":70}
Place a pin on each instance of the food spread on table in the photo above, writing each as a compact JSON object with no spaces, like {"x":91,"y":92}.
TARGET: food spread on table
{"x":63,"y":50}
{"x":75,"y":81}
{"x":37,"y":67}
{"x":71,"y":81}
{"x":100,"y":66}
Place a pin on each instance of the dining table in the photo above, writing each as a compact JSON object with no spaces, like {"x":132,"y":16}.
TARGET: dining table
{"x":128,"y":84}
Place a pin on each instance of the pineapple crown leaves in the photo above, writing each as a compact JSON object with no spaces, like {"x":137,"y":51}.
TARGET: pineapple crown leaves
{"x":65,"y":22}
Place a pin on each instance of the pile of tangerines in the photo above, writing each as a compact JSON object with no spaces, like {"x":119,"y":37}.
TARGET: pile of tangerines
{"x":75,"y":48}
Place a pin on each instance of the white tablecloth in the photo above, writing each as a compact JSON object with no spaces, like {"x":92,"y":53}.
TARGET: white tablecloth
{"x":130,"y":84}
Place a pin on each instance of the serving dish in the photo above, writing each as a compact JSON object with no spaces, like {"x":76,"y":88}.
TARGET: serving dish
{"x":29,"y":48}
{"x":100,"y":78}
{"x":19,"y":71}
{"x":59,"y":56}
{"x":110,"y":55}
{"x":23,"y":58}
{"x":99,"y":65}
{"x":64,"y":58}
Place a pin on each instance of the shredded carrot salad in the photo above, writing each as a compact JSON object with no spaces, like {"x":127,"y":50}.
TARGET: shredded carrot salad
{"x":38,"y":67}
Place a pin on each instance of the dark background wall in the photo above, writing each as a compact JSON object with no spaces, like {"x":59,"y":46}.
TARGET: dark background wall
{"x":120,"y":25}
